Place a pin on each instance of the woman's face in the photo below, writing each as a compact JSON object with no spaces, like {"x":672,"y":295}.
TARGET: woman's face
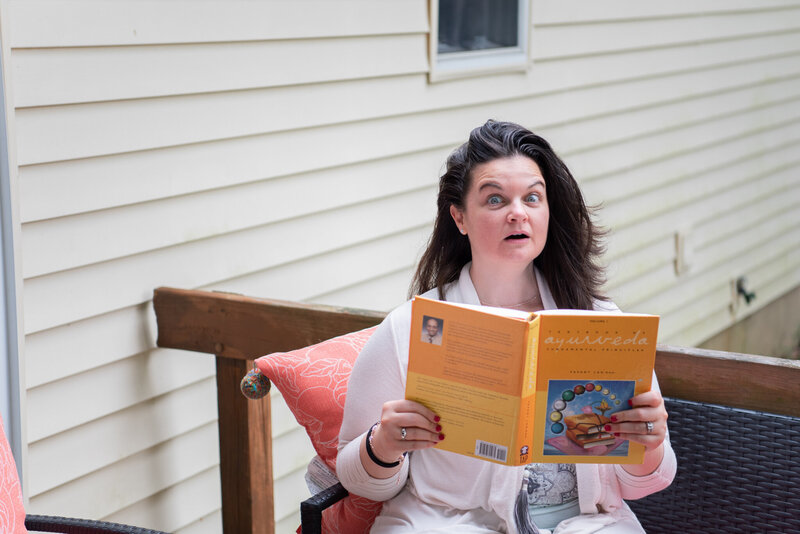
{"x":505,"y":212}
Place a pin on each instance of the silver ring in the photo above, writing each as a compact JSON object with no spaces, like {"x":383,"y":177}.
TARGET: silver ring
{"x":403,"y":433}
{"x":649,"y":425}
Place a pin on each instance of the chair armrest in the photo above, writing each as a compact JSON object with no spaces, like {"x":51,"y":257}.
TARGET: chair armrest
{"x":311,"y":509}
{"x":69,"y":525}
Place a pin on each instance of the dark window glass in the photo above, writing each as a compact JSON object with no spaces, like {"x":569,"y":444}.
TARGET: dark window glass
{"x":477,"y":25}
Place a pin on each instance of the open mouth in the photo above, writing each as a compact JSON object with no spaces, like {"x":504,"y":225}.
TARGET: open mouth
{"x":517,"y":236}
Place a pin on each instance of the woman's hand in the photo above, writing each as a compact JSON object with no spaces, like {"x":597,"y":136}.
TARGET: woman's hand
{"x":633,"y":425}
{"x":405,"y":426}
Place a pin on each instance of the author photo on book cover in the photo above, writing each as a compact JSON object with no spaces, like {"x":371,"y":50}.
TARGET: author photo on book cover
{"x":512,"y":230}
{"x":432,"y":330}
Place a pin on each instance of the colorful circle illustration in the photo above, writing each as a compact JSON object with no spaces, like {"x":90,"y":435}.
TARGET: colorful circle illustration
{"x":560,"y":405}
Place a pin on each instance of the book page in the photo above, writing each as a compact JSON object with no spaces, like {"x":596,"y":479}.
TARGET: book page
{"x":590,"y":364}
{"x":466,"y":366}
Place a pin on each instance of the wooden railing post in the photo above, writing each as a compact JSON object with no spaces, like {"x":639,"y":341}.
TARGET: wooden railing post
{"x":245,"y":453}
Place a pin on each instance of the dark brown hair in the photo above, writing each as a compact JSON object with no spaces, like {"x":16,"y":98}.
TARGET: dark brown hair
{"x":569,"y":260}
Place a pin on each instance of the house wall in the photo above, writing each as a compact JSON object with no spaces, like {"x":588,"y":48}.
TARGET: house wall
{"x":256,"y":147}
{"x":774,"y":330}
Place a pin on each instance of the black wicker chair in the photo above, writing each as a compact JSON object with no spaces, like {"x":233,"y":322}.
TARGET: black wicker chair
{"x":738,"y":472}
{"x":68,"y":525}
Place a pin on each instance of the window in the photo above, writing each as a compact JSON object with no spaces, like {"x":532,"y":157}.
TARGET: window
{"x":472,"y":37}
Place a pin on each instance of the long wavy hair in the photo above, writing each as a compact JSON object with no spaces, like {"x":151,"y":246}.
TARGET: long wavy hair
{"x":569,"y":260}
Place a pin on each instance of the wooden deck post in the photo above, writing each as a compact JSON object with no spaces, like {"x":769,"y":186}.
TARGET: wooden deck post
{"x":245,"y":453}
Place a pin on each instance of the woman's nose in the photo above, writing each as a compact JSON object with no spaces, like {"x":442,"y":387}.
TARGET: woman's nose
{"x":517,"y":212}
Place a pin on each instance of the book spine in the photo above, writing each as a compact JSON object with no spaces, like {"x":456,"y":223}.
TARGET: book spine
{"x":524,"y":440}
{"x":531,"y":358}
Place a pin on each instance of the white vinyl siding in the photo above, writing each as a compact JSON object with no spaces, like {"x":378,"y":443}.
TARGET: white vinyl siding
{"x":291,"y":149}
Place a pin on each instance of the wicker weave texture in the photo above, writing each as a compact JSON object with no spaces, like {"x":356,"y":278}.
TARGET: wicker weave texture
{"x":68,"y":525}
{"x":738,"y":471}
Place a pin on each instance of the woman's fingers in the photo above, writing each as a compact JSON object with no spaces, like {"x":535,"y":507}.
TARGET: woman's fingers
{"x":649,"y":398}
{"x":409,"y":406}
{"x":414,"y":444}
{"x":411,"y":427}
{"x":650,"y":436}
{"x":645,"y":422}
{"x":406,"y":414}
{"x":406,"y":426}
{"x":640,"y":428}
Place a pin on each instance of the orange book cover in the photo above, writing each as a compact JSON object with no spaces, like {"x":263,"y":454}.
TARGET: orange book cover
{"x":515,"y":387}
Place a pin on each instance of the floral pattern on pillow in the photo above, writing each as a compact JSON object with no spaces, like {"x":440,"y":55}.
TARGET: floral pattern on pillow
{"x":12,"y":513}
{"x":313,"y":382}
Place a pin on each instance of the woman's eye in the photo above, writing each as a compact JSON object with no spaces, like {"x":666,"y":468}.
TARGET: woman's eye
{"x":494,"y":200}
{"x":533,"y":197}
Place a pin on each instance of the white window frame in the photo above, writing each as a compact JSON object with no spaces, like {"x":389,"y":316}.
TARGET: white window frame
{"x":479,"y":62}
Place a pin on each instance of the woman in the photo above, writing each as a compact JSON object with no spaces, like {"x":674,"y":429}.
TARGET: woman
{"x":512,"y":230}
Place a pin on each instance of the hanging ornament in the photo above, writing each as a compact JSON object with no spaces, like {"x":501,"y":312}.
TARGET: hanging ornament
{"x":255,"y":384}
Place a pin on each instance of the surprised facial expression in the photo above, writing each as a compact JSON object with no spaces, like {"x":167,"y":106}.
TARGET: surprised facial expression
{"x":505,"y":213}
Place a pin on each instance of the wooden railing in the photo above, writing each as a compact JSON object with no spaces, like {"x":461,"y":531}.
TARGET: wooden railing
{"x":238,"y":329}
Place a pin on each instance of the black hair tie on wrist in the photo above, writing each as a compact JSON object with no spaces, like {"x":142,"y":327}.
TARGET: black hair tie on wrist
{"x":375,"y":458}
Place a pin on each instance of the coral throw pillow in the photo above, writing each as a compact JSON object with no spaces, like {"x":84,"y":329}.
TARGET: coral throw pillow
{"x":313,"y":382}
{"x":12,"y":514}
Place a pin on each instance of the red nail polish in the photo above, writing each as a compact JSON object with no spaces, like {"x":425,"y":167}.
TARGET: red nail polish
{"x":630,"y":403}
{"x":441,"y":437}
{"x":436,"y":418}
{"x":613,"y":418}
{"x":438,"y":428}
{"x":616,"y":434}
{"x":607,"y":428}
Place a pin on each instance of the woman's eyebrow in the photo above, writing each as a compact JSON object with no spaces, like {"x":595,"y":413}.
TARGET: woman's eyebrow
{"x":496,"y":185}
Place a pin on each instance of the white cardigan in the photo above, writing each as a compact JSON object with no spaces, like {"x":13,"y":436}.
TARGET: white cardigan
{"x":447,"y":479}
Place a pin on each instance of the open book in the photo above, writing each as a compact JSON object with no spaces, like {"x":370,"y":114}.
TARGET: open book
{"x":515,"y":387}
